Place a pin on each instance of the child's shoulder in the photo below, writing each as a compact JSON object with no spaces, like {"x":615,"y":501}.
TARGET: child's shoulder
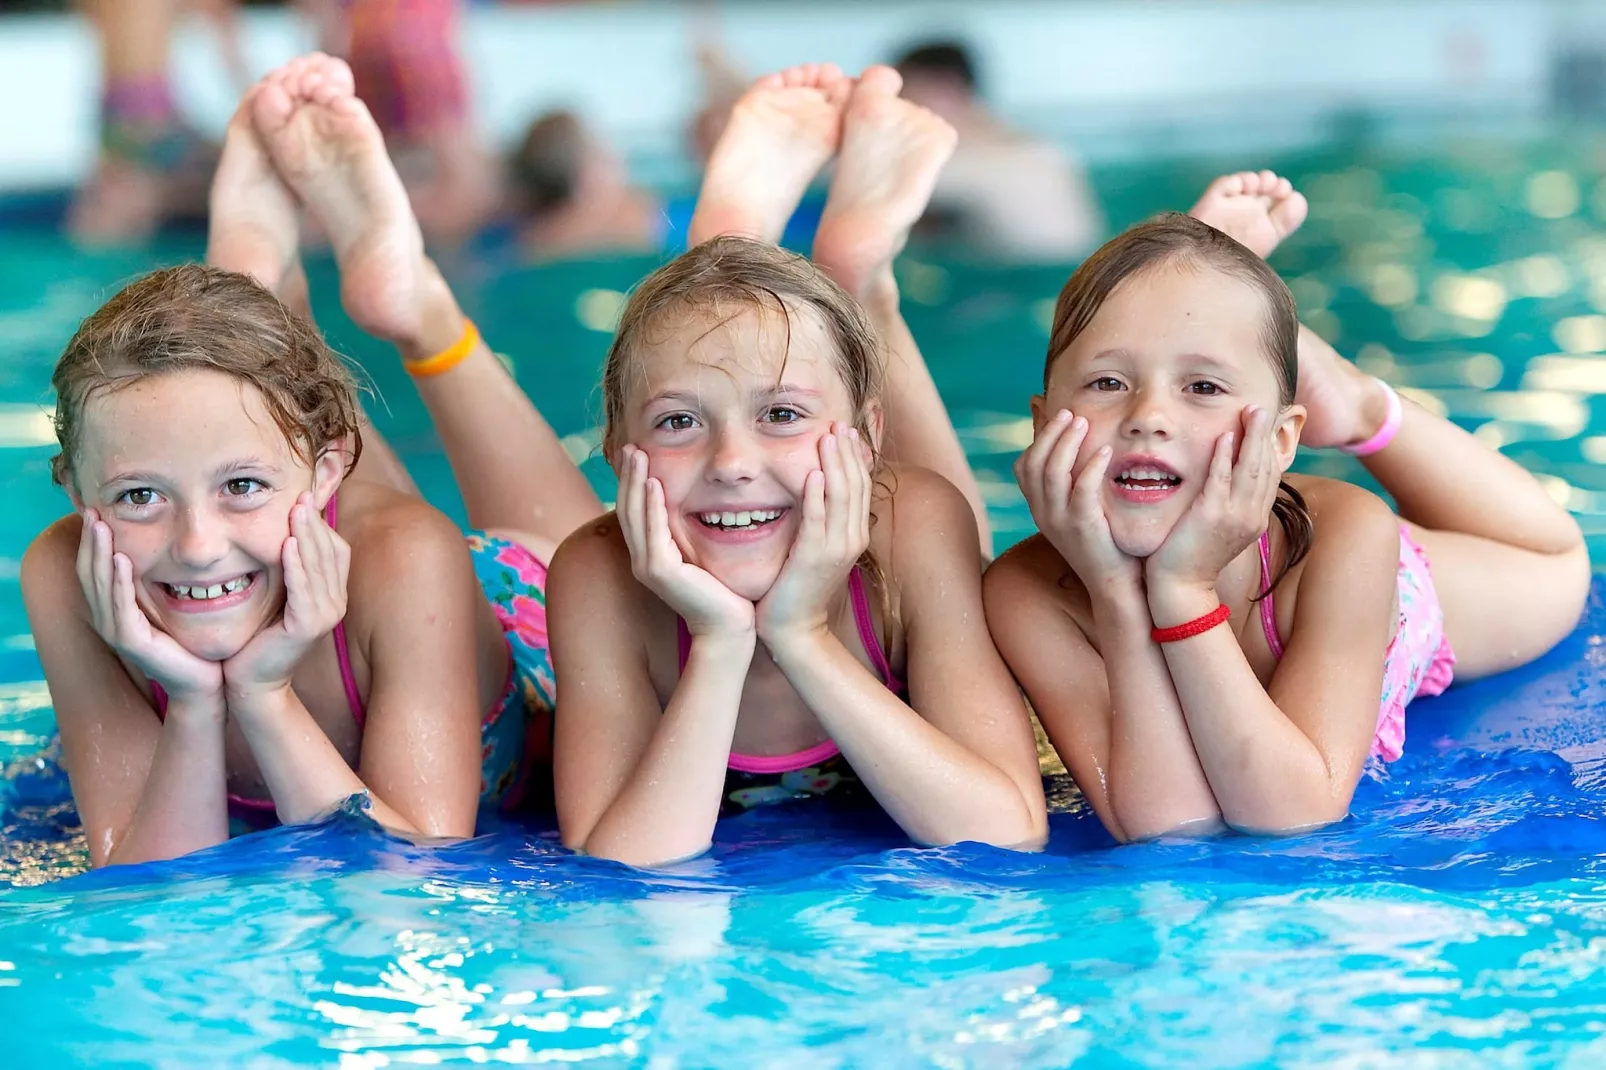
{"x":51,"y":560}
{"x":915,"y":508}
{"x":1342,"y":512}
{"x":387,"y":529}
{"x":1032,"y":569}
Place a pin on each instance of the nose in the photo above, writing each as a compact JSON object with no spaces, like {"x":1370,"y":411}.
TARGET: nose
{"x":734,"y":458}
{"x":1147,"y":415}
{"x":202,"y":538}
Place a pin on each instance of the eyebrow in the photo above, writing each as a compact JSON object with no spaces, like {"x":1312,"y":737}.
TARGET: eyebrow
{"x":241,"y":464}
{"x":1202,"y":360}
{"x":692,"y":398}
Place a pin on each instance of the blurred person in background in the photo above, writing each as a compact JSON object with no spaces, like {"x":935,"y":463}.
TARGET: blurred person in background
{"x":151,"y":166}
{"x":1004,"y":192}
{"x":409,"y":70}
{"x":571,"y":194}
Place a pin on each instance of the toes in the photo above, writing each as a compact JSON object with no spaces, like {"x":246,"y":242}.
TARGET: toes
{"x":1290,"y":212}
{"x":271,"y":107}
{"x":880,"y":79}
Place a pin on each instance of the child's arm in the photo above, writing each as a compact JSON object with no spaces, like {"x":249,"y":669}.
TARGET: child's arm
{"x":433,"y":614}
{"x":145,"y":789}
{"x":636,"y":782}
{"x":1118,"y":725}
{"x":1290,"y":758}
{"x":964,"y":767}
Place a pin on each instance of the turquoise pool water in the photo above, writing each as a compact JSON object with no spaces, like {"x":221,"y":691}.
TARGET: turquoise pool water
{"x":1457,"y":919}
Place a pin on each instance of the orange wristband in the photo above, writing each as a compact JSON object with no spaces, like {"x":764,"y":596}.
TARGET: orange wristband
{"x":448,"y":358}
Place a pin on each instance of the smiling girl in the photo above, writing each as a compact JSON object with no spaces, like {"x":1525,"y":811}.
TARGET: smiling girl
{"x":1208,"y":641}
{"x":774,"y":612}
{"x":239,"y":616}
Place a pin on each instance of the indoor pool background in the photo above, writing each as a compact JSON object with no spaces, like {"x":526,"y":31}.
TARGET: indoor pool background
{"x":1457,"y":919}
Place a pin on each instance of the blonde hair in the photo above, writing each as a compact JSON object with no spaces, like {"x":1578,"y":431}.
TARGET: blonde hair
{"x":724,"y":278}
{"x":194,"y":316}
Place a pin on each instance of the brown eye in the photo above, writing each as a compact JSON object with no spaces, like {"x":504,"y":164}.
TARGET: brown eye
{"x":139,"y":496}
{"x":241,"y":487}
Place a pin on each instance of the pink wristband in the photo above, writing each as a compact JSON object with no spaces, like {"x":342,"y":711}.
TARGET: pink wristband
{"x":1385,"y":434}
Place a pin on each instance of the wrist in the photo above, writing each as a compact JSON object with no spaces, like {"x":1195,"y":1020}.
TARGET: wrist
{"x":195,"y":707}
{"x":879,"y":295}
{"x":1173,"y":602}
{"x":796,"y":641}
{"x":735,"y":645}
{"x":257,"y":701}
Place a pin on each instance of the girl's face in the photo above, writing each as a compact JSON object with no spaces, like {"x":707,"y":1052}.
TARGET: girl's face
{"x":1166,"y":367}
{"x":730,"y":417}
{"x":196,"y":482}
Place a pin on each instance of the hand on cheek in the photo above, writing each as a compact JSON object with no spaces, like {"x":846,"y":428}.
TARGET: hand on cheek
{"x":707,"y":606}
{"x":832,"y":535}
{"x":1230,"y":511}
{"x":108,"y":582}
{"x":317,"y":564}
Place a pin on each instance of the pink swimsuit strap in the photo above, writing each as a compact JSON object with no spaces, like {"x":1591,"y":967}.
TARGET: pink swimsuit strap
{"x":1268,"y":608}
{"x":347,"y":677}
{"x":785,"y":763}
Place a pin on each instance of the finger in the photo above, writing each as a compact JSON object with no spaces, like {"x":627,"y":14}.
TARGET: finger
{"x":863,"y":489}
{"x":1084,"y":498}
{"x":836,"y":492}
{"x":811,"y":532}
{"x":1029,"y":466}
{"x":1218,"y":482}
{"x":304,"y":524}
{"x":632,"y":502}
{"x":126,"y":616}
{"x":102,"y":566}
{"x":662,"y":553}
{"x":296,"y":608}
{"x":84,"y":563}
{"x":1059,"y":470}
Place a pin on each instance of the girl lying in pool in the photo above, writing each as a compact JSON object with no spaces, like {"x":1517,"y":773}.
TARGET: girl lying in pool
{"x":241,"y":615}
{"x":1207,"y":641}
{"x":775,"y":610}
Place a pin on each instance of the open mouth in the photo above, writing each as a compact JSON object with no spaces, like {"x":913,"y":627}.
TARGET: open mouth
{"x":743,"y":520}
{"x":1146,"y":477}
{"x":210,"y":592}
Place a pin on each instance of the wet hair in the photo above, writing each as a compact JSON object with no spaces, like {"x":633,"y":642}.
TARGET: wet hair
{"x":722,"y":279}
{"x":199,"y":317}
{"x":1175,"y":239}
{"x":546,"y":166}
{"x":944,"y":59}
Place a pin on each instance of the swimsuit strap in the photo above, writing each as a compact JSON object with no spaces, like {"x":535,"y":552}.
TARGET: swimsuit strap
{"x":861,"y":617}
{"x":342,"y":651}
{"x":1268,"y":609}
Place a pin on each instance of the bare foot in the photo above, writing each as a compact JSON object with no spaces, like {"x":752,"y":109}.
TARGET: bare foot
{"x":892,"y":152}
{"x":1343,"y":405}
{"x":254,"y":218}
{"x":1257,"y":210}
{"x":781,"y":132}
{"x":328,"y":149}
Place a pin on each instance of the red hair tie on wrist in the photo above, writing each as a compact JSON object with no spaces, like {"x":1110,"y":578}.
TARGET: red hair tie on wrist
{"x":1189,"y":629}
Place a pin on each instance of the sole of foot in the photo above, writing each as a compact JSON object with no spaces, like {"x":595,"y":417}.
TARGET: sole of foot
{"x":892,"y":154}
{"x":780,"y":133}
{"x":1255,"y":208}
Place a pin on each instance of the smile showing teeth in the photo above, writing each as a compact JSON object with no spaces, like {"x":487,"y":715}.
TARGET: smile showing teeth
{"x":747,"y":518}
{"x":199,"y":593}
{"x":1148,"y":476}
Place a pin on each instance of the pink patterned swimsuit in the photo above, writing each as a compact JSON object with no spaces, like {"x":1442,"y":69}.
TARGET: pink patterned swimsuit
{"x":1419,"y":660}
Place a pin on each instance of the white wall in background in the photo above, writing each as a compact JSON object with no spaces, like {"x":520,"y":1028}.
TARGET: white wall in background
{"x":1115,"y":75}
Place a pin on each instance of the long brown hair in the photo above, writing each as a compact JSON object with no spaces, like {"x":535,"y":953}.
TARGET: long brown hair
{"x":1174,"y":238}
{"x":194,"y":316}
